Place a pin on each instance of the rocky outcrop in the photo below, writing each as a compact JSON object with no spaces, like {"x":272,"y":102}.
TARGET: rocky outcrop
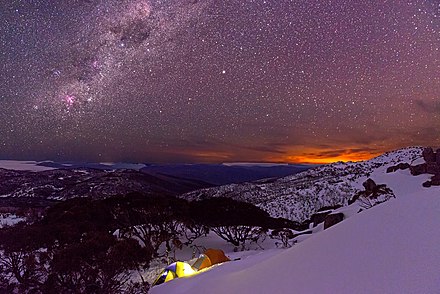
{"x":427,"y":184}
{"x":419,"y":169}
{"x":400,"y":166}
{"x":435,"y":181}
{"x":429,"y":155}
{"x":318,"y":218}
{"x":333,"y":219}
{"x":373,"y":194}
{"x":369,"y":186}
{"x":431,"y":166}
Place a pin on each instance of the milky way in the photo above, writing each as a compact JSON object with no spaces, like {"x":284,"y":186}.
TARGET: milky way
{"x":213,"y":81}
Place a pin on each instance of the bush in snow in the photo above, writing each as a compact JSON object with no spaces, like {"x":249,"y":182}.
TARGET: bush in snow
{"x":372,"y":195}
{"x":234,"y":221}
{"x":70,"y":248}
{"x":284,"y":235}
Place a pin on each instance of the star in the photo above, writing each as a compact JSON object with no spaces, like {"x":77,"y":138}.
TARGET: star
{"x":160,"y":81}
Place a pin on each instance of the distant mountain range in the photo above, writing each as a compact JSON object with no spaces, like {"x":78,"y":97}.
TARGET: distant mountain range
{"x":222,"y":174}
{"x":62,"y":184}
{"x":214,"y":174}
{"x":43,"y":182}
{"x":281,"y":190}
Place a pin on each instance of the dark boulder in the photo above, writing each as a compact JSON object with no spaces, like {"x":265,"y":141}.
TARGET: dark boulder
{"x":428,"y":155}
{"x":432,"y":168}
{"x":355,"y":197}
{"x":329,"y":207}
{"x":418,"y":169}
{"x":402,"y":166}
{"x":369,"y":186}
{"x":333,"y":219}
{"x":318,"y":218}
{"x":391,"y":169}
{"x":427,"y":184}
{"x":435,"y":180}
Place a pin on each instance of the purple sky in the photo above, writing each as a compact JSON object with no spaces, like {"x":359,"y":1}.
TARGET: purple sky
{"x":213,"y":81}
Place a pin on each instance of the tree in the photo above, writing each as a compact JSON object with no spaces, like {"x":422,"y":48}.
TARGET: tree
{"x":284,"y":235}
{"x":98,"y":264}
{"x":23,"y":264}
{"x":234,"y":221}
{"x":154,"y":220}
{"x":71,"y":250}
{"x":238,"y":235}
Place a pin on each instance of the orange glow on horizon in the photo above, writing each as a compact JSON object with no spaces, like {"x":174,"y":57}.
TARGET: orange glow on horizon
{"x":295,"y":155}
{"x":325,"y":156}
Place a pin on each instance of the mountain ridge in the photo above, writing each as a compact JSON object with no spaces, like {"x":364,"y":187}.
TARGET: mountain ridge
{"x":298,"y":196}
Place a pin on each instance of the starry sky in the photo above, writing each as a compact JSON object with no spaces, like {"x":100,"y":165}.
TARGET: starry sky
{"x":215,"y":81}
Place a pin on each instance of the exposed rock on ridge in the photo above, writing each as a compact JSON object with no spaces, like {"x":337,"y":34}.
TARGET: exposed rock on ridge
{"x":431,"y":166}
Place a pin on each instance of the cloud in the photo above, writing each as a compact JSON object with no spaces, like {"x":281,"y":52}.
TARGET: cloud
{"x":430,"y":107}
{"x":266,"y":149}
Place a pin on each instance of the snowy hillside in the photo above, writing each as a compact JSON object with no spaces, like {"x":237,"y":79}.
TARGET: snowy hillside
{"x":389,"y":248}
{"x":297,"y":197}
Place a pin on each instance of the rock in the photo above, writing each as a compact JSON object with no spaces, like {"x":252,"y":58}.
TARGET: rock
{"x":427,"y":184}
{"x":355,"y":197}
{"x":429,"y":155}
{"x":318,"y":218}
{"x":418,"y":169}
{"x":329,"y":207}
{"x":432,"y":168}
{"x":333,"y":219}
{"x":402,"y":166}
{"x":369,"y":186}
{"x":435,"y":180}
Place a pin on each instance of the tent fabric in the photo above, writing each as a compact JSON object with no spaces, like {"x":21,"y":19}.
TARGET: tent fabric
{"x":216,"y":256}
{"x":175,"y":270}
{"x":209,"y":258}
{"x":202,"y":262}
{"x":165,"y":276}
{"x":182,"y":269}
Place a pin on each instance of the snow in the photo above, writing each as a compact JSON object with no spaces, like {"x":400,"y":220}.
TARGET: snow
{"x":8,"y":219}
{"x":23,"y":165}
{"x":199,"y":246}
{"x":390,"y":248}
{"x":298,"y":196}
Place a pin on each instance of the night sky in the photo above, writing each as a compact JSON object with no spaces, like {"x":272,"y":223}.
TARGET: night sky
{"x":216,"y":81}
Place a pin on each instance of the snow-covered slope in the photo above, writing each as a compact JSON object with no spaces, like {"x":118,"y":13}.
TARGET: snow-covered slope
{"x":297,"y":197}
{"x":390,"y":248}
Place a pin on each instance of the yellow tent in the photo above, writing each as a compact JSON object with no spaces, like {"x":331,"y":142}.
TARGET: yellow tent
{"x":175,"y":270}
{"x":183,"y":269}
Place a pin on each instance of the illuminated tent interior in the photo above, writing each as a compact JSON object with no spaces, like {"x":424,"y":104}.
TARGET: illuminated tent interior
{"x":184,"y":269}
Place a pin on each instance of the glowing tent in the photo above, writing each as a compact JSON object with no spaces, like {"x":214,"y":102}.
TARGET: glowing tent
{"x":209,"y":258}
{"x":183,"y":269}
{"x":175,"y":270}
